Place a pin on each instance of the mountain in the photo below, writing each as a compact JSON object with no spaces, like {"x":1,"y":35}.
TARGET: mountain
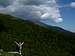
{"x":38,"y":40}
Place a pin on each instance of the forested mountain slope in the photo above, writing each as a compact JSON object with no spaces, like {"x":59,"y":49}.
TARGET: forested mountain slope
{"x":38,"y":40}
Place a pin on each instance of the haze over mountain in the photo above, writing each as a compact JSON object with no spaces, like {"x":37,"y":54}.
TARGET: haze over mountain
{"x":40,"y":39}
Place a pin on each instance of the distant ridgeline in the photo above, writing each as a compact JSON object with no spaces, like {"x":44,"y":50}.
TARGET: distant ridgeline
{"x":38,"y":40}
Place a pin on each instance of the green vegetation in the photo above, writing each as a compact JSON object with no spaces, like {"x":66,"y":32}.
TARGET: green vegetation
{"x":7,"y":54}
{"x":39,"y":40}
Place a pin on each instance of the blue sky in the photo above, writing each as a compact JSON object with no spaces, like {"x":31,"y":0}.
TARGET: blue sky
{"x":68,"y":15}
{"x":59,"y":13}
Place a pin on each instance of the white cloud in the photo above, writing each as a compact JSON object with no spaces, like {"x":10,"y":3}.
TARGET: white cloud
{"x":72,"y":4}
{"x":45,"y":15}
{"x":34,"y":9}
{"x":58,"y":20}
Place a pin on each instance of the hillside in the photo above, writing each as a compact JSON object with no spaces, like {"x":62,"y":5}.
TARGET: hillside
{"x":38,"y":40}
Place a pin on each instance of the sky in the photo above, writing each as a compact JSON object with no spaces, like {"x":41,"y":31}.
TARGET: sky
{"x":59,"y":13}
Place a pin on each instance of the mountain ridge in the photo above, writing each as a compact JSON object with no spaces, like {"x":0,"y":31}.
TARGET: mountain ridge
{"x":40,"y":23}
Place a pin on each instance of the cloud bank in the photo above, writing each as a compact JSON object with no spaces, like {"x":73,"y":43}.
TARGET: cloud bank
{"x":72,"y":4}
{"x":33,"y":9}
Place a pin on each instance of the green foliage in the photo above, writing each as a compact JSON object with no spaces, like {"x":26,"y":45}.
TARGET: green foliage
{"x":39,"y":41}
{"x":8,"y":54}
